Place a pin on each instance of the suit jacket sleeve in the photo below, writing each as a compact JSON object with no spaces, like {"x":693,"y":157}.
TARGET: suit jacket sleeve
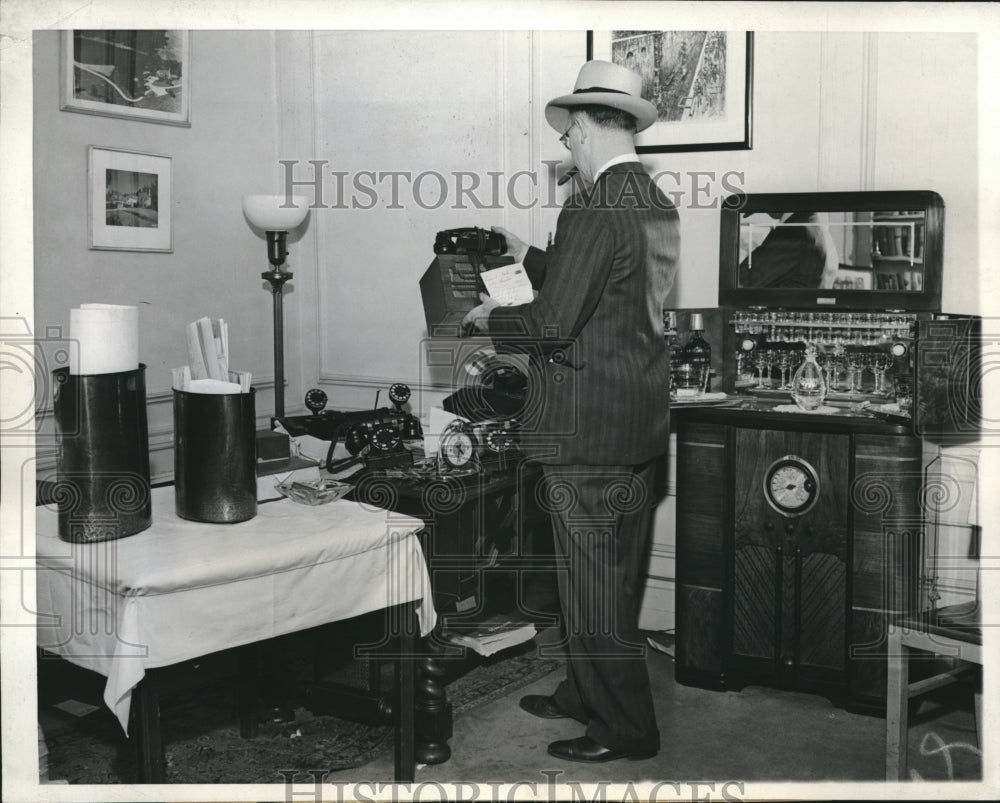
{"x":534,"y":265}
{"x":570,"y":274}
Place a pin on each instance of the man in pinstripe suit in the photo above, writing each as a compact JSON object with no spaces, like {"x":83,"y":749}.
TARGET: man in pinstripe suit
{"x":595,"y":330}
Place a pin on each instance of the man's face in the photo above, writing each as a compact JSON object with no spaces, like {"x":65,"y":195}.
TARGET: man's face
{"x":567,"y":139}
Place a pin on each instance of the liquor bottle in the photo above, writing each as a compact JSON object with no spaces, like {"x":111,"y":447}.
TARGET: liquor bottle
{"x":670,"y":332}
{"x":670,"y":339}
{"x":808,"y":384}
{"x":698,"y":352}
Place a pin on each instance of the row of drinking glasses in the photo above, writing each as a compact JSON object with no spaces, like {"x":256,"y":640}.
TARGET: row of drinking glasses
{"x":827,"y":328}
{"x":843,"y":370}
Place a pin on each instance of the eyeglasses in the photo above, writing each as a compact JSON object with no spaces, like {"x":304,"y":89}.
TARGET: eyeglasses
{"x":564,"y":139}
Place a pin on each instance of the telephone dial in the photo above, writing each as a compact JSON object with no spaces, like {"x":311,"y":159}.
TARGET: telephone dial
{"x":374,"y":436}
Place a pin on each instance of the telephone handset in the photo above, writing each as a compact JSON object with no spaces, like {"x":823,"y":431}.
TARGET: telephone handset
{"x":470,"y":240}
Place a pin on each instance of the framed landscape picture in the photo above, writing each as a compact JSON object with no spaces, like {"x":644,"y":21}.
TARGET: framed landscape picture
{"x":138,"y":75}
{"x":701,"y":83}
{"x":129,"y":200}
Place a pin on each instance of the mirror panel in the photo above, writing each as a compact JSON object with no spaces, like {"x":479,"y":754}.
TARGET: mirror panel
{"x":877,"y":250}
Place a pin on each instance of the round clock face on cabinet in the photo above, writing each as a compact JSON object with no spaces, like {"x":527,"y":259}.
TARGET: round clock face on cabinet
{"x":457,"y":447}
{"x":791,"y":486}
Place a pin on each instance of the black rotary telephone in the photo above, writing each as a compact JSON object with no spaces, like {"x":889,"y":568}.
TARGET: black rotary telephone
{"x":475,"y":244}
{"x":470,"y":240}
{"x":375,"y":436}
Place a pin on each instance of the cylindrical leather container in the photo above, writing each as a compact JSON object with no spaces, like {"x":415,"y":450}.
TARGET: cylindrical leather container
{"x":215,"y":458}
{"x":103,"y":460}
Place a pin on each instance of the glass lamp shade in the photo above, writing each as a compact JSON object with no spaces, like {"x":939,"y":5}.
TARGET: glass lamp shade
{"x":275,"y":212}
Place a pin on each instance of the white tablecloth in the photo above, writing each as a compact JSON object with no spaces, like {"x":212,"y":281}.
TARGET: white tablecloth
{"x":183,"y":589}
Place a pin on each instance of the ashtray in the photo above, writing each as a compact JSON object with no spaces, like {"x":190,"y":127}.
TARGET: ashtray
{"x":313,"y":492}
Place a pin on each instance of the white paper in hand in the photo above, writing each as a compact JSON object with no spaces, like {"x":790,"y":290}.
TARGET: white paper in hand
{"x":508,"y":285}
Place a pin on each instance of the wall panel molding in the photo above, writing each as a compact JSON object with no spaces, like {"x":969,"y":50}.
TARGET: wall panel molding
{"x":869,"y":101}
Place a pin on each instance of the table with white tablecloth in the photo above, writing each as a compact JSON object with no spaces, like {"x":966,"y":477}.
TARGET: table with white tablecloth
{"x":183,"y":589}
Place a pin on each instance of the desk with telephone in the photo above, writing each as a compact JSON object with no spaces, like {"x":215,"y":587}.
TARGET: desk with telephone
{"x":486,"y":542}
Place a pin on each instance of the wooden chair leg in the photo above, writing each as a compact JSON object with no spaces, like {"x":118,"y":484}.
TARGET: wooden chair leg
{"x":897,"y":708}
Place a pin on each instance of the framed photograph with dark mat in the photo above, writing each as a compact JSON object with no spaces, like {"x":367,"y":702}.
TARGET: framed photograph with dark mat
{"x":139,"y":75}
{"x":129,"y":200}
{"x":701,"y":83}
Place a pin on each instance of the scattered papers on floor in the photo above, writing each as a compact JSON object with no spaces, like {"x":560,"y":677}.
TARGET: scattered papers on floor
{"x":492,"y":635}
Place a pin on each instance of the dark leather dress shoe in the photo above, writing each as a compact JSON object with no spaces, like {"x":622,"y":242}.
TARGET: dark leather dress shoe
{"x":542,"y":705}
{"x":588,"y":751}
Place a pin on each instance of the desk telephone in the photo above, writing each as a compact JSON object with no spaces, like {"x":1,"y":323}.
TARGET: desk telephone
{"x":376,"y":436}
{"x":470,"y":240}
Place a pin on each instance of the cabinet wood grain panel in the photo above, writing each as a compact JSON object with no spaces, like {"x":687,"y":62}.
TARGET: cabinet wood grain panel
{"x":885,"y":498}
{"x":701,"y":503}
{"x":699,"y":659}
{"x":801,"y":601}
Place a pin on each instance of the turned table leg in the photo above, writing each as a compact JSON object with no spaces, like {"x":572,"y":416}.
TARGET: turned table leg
{"x":433,"y":712}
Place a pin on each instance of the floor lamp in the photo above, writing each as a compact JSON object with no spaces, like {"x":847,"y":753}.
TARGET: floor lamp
{"x":276,"y":215}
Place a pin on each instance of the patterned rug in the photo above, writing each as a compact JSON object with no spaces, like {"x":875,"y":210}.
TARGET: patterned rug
{"x":203,"y":743}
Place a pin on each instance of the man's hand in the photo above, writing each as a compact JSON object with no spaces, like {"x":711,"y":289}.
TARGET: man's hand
{"x":479,"y":316}
{"x":516,"y":247}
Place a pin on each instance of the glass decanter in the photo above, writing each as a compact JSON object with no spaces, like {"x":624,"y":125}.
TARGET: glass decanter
{"x":808,"y":385}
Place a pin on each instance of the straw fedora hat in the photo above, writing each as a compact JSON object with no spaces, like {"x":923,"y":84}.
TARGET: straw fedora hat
{"x":603,"y":83}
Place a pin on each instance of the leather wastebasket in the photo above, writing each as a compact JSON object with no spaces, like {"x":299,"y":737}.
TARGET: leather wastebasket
{"x":102,"y":465}
{"x":215,"y":458}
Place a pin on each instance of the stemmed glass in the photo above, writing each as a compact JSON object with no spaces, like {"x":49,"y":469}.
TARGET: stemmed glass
{"x":773,"y":361}
{"x":833,"y":365}
{"x":786,"y":362}
{"x":823,"y":361}
{"x":881,"y":362}
{"x":762,"y":360}
{"x":856,"y":361}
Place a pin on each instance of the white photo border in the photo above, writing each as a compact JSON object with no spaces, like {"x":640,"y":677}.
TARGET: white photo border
{"x":116,"y":237}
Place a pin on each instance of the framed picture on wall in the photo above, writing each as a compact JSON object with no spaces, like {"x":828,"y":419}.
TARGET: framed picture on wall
{"x":129,"y":200}
{"x":701,"y":83}
{"x":138,"y":75}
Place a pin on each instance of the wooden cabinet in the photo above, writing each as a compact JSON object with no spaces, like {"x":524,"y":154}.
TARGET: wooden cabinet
{"x":774,"y":594}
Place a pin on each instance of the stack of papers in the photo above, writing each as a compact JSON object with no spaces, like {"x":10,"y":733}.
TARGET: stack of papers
{"x":207,"y":370}
{"x":492,"y":635}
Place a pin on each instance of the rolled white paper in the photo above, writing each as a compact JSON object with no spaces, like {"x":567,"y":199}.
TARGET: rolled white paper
{"x":106,"y":337}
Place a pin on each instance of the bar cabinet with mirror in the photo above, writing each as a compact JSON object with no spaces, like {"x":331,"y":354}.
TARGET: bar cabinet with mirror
{"x":799,"y":533}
